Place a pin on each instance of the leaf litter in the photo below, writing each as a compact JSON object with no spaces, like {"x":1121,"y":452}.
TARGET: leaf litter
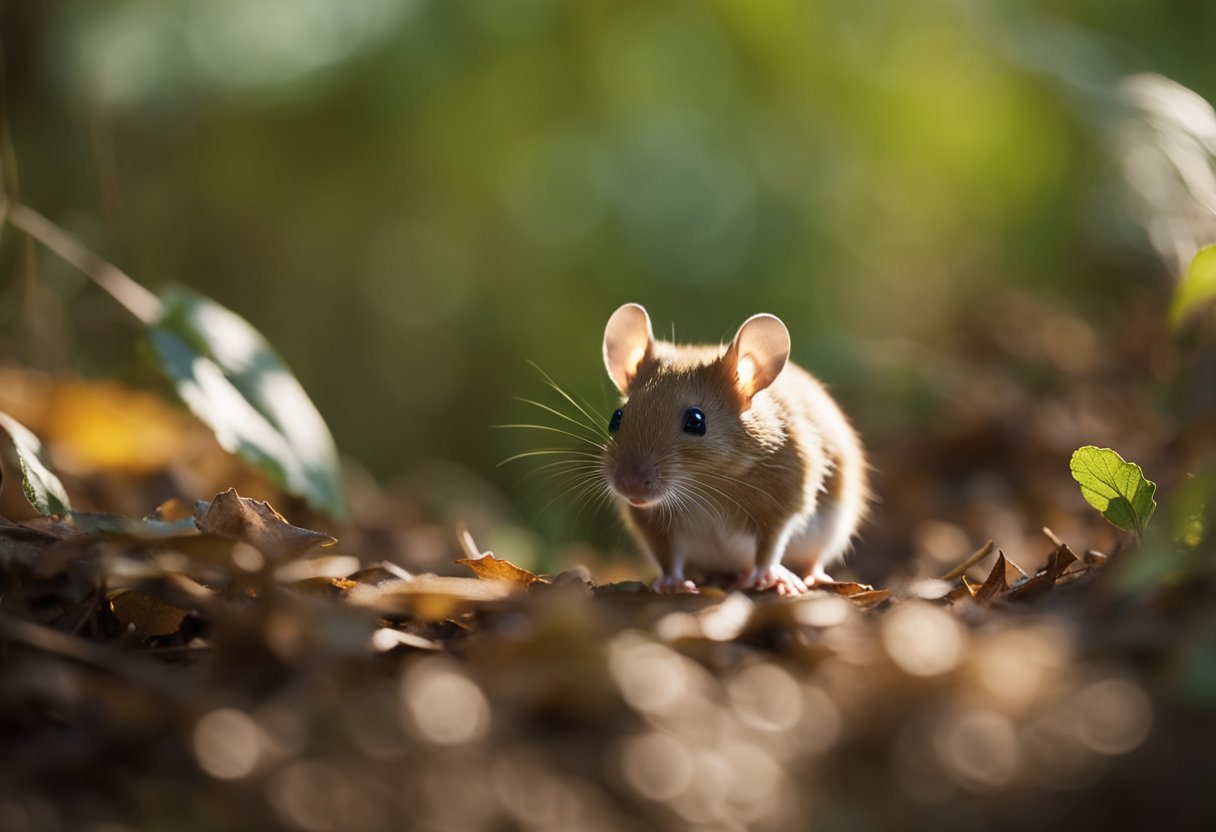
{"x":219,"y":666}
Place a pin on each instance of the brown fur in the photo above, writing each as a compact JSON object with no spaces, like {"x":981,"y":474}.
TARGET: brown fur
{"x":765,"y":467}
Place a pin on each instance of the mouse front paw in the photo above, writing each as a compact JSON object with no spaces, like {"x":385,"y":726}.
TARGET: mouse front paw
{"x":774,"y":576}
{"x":673,"y":584}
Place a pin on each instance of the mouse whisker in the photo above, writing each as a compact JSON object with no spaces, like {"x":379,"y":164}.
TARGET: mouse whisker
{"x":569,"y":473}
{"x":551,"y":429}
{"x":726,"y":478}
{"x":550,"y":452}
{"x":594,"y":431}
{"x":597,"y":418}
{"x":587,"y":484}
{"x":693,"y":498}
{"x":726,"y":496}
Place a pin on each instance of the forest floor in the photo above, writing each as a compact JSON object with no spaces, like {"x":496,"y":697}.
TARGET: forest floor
{"x":213,"y":666}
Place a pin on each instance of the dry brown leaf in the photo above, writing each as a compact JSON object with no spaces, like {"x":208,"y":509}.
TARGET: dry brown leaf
{"x":234,"y":517}
{"x":869,"y":598}
{"x":172,"y":510}
{"x":994,"y":585}
{"x":1046,"y":577}
{"x":146,"y":615}
{"x":846,"y":588}
{"x":489,"y":568}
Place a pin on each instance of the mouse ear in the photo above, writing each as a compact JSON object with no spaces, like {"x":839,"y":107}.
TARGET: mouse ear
{"x":627,"y":340}
{"x":758,"y":353}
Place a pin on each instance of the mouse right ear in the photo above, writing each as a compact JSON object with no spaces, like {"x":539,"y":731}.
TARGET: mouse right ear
{"x":627,"y":341}
{"x":759,"y":353}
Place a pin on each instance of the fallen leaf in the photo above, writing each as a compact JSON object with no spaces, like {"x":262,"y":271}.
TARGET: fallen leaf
{"x":869,"y":598}
{"x":329,"y":566}
{"x":1045,"y":578}
{"x":234,"y":517}
{"x":430,"y":597}
{"x":489,"y":568}
{"x":115,"y":525}
{"x":172,"y":510}
{"x":994,"y":585}
{"x":846,"y":588}
{"x":146,"y":615}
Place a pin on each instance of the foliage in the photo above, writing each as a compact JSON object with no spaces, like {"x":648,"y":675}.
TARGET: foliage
{"x":228,"y":375}
{"x":1197,"y":289}
{"x":23,"y":472}
{"x":1114,"y":487}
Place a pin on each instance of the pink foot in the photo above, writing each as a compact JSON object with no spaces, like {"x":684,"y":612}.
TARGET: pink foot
{"x":774,"y":576}
{"x":673,"y":584}
{"x":818,"y":575}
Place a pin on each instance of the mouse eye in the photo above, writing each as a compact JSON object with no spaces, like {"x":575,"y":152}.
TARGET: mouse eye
{"x":694,"y":421}
{"x":615,"y":422}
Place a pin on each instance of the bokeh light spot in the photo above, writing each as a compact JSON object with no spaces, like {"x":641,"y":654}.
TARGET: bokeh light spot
{"x":444,"y":705}
{"x":1116,"y":716}
{"x":227,"y":743}
{"x":922,"y":640}
{"x":657,"y":766}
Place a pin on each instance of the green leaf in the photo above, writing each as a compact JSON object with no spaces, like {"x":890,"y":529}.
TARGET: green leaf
{"x":1115,"y":487}
{"x":41,"y":491}
{"x":1197,"y":288}
{"x":230,"y":377}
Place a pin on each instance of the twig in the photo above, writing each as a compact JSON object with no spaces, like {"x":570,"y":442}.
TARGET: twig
{"x":981,"y":553}
{"x":118,"y":284}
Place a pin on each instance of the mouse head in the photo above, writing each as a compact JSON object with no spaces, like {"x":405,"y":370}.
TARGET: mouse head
{"x":688,"y":411}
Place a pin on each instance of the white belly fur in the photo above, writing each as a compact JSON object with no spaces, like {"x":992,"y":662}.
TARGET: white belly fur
{"x":709,"y":548}
{"x":712,"y":549}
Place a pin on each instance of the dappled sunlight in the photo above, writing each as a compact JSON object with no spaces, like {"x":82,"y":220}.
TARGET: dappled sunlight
{"x":306,"y":436}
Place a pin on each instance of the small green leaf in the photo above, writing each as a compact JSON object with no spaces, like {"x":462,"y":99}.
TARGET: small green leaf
{"x":21,"y":455}
{"x":1197,"y":287}
{"x":230,"y":377}
{"x":1115,"y":487}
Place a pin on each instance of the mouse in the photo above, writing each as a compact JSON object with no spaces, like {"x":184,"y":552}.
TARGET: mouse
{"x":730,"y":459}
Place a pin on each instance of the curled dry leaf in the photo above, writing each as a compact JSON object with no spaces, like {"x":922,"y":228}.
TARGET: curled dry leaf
{"x":234,"y":517}
{"x":994,"y":585}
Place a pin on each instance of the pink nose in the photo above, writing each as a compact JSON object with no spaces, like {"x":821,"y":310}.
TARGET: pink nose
{"x":636,"y":480}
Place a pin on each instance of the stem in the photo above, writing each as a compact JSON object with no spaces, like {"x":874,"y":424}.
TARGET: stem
{"x":118,"y":284}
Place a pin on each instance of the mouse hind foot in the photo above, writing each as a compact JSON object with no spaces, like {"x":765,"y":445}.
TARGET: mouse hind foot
{"x":774,"y":576}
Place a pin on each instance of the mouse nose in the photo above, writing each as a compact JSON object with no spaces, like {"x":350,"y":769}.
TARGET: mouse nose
{"x":637,"y":478}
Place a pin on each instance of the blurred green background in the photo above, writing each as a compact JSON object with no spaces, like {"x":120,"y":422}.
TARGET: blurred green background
{"x":412,"y":199}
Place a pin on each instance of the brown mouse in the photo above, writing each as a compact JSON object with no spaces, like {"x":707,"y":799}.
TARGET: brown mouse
{"x":730,"y":460}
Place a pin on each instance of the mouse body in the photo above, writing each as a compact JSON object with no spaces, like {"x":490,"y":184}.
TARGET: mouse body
{"x":730,"y":459}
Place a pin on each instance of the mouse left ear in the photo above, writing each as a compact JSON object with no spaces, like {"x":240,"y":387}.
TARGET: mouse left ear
{"x":628,"y":340}
{"x":759,"y":353}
